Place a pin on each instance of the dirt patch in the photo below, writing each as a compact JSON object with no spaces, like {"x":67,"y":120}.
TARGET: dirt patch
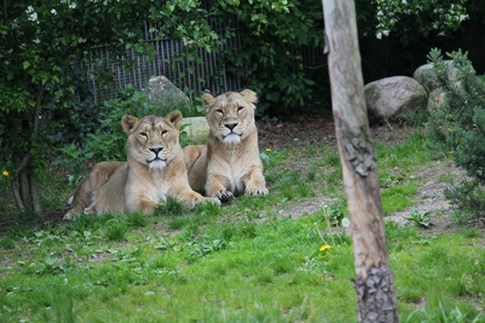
{"x":430,"y":197}
{"x":305,"y":207}
{"x":305,"y":131}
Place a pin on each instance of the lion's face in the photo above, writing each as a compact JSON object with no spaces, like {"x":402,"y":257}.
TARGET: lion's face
{"x":153,"y":141}
{"x":231,"y":115}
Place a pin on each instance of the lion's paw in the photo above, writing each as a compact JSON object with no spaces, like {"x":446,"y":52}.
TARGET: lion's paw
{"x":214,"y":200}
{"x":257,"y":191}
{"x":69,"y":216}
{"x":224,"y":196}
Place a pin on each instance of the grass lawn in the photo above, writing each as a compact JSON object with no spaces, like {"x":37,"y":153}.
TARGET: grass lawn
{"x":252,"y":260}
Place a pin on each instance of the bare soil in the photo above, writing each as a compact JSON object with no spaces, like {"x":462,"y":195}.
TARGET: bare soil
{"x":308,"y":131}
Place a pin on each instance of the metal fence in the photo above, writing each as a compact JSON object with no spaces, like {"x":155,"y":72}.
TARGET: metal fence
{"x":206,"y":71}
{"x":171,"y":60}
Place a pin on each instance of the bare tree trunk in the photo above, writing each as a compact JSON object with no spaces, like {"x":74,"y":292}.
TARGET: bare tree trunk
{"x":24,"y":183}
{"x":374,"y":283}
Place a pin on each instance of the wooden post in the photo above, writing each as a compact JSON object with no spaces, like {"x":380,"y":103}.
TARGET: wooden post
{"x":374,"y":283}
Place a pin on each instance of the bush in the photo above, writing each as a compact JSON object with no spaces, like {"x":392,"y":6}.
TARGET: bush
{"x":458,"y":128}
{"x":108,"y":142}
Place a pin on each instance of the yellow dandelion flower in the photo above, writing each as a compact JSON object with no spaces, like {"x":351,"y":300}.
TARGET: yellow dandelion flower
{"x":5,"y":173}
{"x":325,"y":247}
{"x":268,"y":150}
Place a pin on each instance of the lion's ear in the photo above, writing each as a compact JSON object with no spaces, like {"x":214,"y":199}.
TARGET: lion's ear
{"x":128,"y":123}
{"x":207,"y":101}
{"x":249,"y":96}
{"x":175,"y":118}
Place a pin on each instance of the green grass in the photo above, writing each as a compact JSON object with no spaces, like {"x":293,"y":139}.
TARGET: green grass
{"x":241,"y":262}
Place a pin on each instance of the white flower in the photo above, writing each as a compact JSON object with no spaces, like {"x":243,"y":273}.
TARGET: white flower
{"x":345,"y":223}
{"x":72,"y":5}
{"x":32,"y":15}
{"x":81,"y":40}
{"x":54,"y":12}
{"x":37,"y":41}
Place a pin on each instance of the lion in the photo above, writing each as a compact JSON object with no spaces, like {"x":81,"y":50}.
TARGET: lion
{"x":229,"y":165}
{"x":154,"y":170}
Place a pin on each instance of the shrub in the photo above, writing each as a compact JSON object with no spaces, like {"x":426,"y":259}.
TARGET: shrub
{"x":458,"y":128}
{"x":108,"y":141}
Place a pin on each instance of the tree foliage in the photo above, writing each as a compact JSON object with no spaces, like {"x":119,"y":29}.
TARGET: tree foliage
{"x":458,"y":127}
{"x":42,"y":44}
{"x":438,"y":16}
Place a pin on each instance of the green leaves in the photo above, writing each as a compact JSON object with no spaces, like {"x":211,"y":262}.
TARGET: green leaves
{"x":456,"y":126}
{"x":441,"y":16}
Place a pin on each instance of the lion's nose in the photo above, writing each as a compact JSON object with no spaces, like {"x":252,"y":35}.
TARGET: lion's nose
{"x":156,"y":150}
{"x":230,"y":126}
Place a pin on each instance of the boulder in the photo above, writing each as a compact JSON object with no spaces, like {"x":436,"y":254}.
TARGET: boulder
{"x":197,"y":129}
{"x":436,"y":98}
{"x":426,"y":76}
{"x":164,"y":93}
{"x":392,"y":96}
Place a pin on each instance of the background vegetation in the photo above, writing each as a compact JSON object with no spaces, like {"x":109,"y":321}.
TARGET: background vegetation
{"x":44,"y":103}
{"x":458,"y":127}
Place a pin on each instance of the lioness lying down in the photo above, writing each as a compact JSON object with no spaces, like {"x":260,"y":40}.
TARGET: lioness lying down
{"x":229,"y":165}
{"x":154,"y":170}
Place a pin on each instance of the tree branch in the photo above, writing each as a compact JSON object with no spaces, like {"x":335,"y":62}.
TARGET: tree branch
{"x":16,"y":195}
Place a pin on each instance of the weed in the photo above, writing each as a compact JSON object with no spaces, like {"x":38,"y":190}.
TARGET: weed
{"x":137,"y":220}
{"x":332,"y":159}
{"x":419,"y":218}
{"x":311,"y":176}
{"x":179,"y":222}
{"x":115,"y":229}
{"x":7,"y":243}
{"x":171,"y":207}
{"x":304,"y":190}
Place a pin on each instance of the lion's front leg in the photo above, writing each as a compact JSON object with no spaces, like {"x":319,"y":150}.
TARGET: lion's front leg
{"x":215,"y":187}
{"x":146,"y":205}
{"x":255,"y":183}
{"x":190,"y":198}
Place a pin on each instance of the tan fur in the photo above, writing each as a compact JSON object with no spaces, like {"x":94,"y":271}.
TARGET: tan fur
{"x":154,"y":170}
{"x":229,"y":164}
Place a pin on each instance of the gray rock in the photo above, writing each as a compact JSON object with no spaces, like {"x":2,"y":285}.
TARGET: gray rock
{"x":164,"y":93}
{"x":436,"y":98}
{"x":197,"y":129}
{"x":426,"y":76}
{"x":392,"y":96}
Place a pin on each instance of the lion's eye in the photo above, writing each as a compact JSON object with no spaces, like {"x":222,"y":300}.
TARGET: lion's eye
{"x":220,"y":111}
{"x":164,"y":132}
{"x":240,"y":109}
{"x":144,"y":134}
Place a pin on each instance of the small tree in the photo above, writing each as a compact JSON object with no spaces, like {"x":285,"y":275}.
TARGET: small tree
{"x":41,"y":43}
{"x":457,"y":126}
{"x":376,"y":295}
